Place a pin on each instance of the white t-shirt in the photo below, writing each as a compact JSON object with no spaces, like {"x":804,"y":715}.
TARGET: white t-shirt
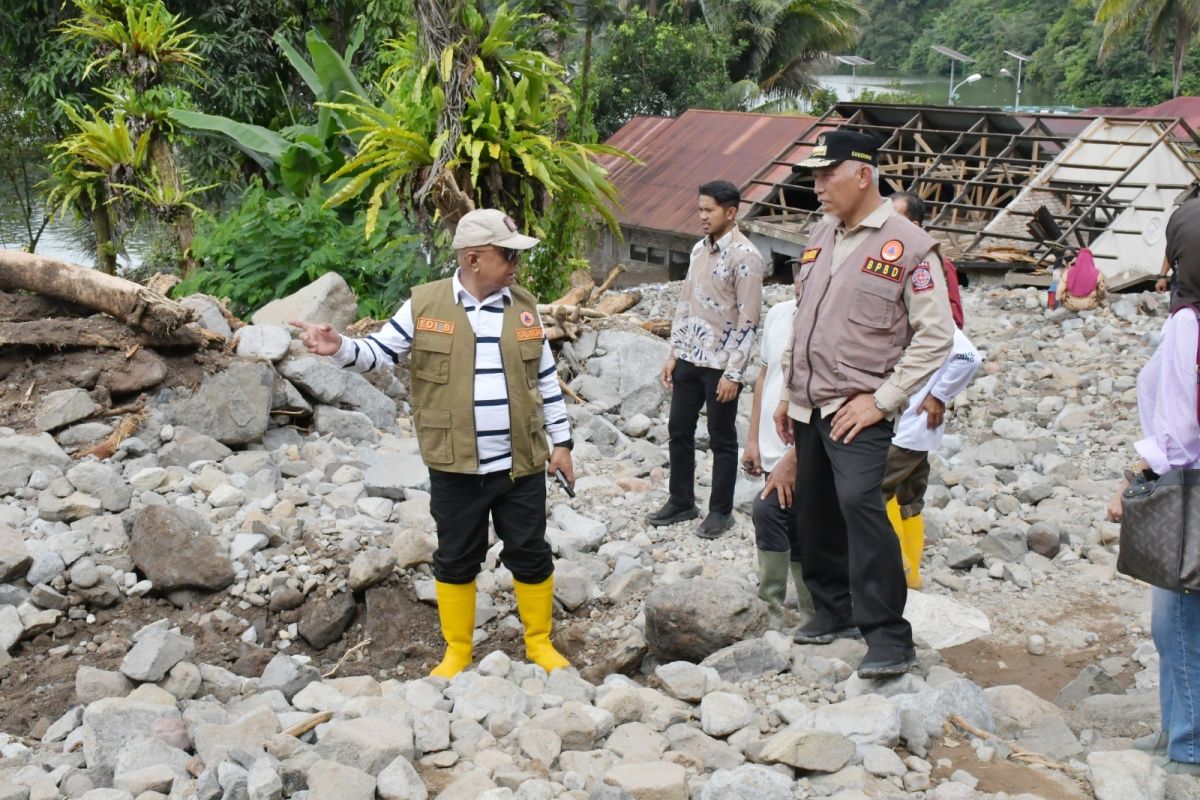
{"x":912,"y":429}
{"x":776,"y":332}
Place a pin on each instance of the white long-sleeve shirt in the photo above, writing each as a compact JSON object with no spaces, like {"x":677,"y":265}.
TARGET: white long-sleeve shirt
{"x":912,"y":429}
{"x":493,"y":438}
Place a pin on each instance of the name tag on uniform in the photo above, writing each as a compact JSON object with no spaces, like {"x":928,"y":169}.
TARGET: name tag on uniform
{"x":892,"y":272}
{"x":435,"y":325}
{"x":526,"y":334}
{"x":810,"y":255}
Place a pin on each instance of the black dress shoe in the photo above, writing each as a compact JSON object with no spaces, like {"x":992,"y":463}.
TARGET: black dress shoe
{"x":714,"y":525}
{"x":671,"y":513}
{"x":886,"y":664}
{"x":821,"y":632}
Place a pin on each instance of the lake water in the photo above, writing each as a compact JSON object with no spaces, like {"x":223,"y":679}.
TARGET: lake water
{"x":60,"y":241}
{"x":994,"y":91}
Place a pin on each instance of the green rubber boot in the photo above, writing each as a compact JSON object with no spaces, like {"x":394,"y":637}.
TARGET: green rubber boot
{"x":772,"y":585}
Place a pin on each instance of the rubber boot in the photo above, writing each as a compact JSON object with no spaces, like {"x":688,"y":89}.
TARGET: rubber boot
{"x":893,"y":515}
{"x":772,"y":585}
{"x":535,"y":604}
{"x":456,"y":611}
{"x":912,"y":544}
{"x":804,"y":601}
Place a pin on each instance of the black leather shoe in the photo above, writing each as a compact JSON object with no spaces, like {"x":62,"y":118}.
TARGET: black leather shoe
{"x":714,"y":525}
{"x":671,"y":513}
{"x":820,"y":632}
{"x":886,"y":664}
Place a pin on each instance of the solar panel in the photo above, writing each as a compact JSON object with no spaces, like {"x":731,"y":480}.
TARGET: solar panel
{"x":853,"y":61}
{"x":1017,"y":55}
{"x":957,"y":56}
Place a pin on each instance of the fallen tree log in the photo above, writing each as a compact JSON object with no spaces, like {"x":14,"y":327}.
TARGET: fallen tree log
{"x":618,"y":303}
{"x":64,"y":332}
{"x":613,"y":274}
{"x":127,"y":301}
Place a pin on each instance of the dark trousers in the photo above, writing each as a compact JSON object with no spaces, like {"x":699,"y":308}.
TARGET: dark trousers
{"x":906,"y":479}
{"x":461,"y":503}
{"x":696,"y":387}
{"x":851,"y":556}
{"x":774,"y":530}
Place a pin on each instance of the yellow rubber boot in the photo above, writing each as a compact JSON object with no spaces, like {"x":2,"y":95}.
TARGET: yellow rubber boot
{"x":456,"y":610}
{"x":893,"y":514}
{"x":912,"y":544}
{"x":535,"y":603}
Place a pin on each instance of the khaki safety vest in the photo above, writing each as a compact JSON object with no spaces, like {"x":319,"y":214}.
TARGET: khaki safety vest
{"x":442,"y":369}
{"x":851,"y":327}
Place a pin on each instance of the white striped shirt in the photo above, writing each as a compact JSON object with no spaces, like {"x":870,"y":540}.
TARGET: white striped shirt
{"x":493,"y":439}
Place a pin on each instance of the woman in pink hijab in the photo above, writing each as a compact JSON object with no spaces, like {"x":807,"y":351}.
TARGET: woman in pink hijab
{"x":1083,"y":286}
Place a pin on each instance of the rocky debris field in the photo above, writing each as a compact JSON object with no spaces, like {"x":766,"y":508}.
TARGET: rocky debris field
{"x":238,"y":603}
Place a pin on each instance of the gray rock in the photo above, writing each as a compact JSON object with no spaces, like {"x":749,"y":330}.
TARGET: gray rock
{"x":11,"y":628}
{"x":882,"y":762}
{"x":232,"y":406}
{"x":1091,"y":680}
{"x":573,"y":586}
{"x":1129,"y":715}
{"x":488,"y":695}
{"x":1125,"y":775}
{"x":327,"y":383}
{"x":399,"y":781}
{"x":69,"y":721}
{"x":329,"y":780}
{"x":265,"y":342}
{"x":83,"y":433}
{"x":470,"y":786}
{"x":93,"y":684}
{"x":869,"y":719}
{"x":63,"y":407}
{"x":173,"y":548}
{"x":327,"y":299}
{"x":324,"y":619}
{"x":207,"y":312}
{"x":998,"y":453}
{"x":590,"y":533}
{"x":350,"y":426}
{"x":14,"y":557}
{"x":157,"y":649}
{"x":183,"y":681}
{"x":287,"y":675}
{"x":365,"y":743}
{"x":1053,"y":739}
{"x":110,"y":722}
{"x":21,"y":455}
{"x":263,"y":782}
{"x":652,"y":780}
{"x":1007,"y":544}
{"x":630,"y":365}
{"x":933,"y":707}
{"x":412,"y":546}
{"x":189,"y":446}
{"x":690,"y":620}
{"x":752,"y":658}
{"x":749,"y":782}
{"x":391,"y":475}
{"x":710,"y":752}
{"x":74,"y":506}
{"x":102,"y":481}
{"x":722,"y":713}
{"x":371,"y":567}
{"x":684,"y":680}
{"x":1015,"y":709}
{"x":1043,"y":540}
{"x":142,"y":753}
{"x":962,"y":556}
{"x":246,"y":735}
{"x":806,"y":750}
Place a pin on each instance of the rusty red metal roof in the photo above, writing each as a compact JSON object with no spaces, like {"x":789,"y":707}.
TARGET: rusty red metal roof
{"x":680,"y":153}
{"x":1183,"y":108}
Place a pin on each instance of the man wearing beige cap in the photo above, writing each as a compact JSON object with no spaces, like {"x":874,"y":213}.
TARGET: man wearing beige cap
{"x":485,"y":395}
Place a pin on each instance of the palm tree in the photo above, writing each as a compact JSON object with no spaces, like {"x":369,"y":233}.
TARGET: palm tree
{"x":1174,"y":22}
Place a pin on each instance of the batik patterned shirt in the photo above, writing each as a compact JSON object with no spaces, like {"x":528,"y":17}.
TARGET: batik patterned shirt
{"x":720,"y":304}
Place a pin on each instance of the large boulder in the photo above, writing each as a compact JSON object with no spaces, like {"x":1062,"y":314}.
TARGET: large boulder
{"x":140,"y":371}
{"x":188,"y":446}
{"x":327,"y":299}
{"x":232,"y":406}
{"x":326,"y":382}
{"x":14,"y":556}
{"x":690,"y":620}
{"x":21,"y":455}
{"x":174,"y":549}
{"x":263,"y":342}
{"x":629,"y":363}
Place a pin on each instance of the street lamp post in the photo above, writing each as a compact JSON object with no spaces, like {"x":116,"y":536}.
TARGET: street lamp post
{"x":854,"y":63}
{"x":969,"y":79}
{"x":954,"y":57}
{"x":1021,"y":59}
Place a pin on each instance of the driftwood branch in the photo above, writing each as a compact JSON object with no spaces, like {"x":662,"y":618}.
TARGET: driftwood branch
{"x":618,"y":303}
{"x":64,"y":332}
{"x":304,"y":726}
{"x":127,"y":301}
{"x":613,"y":274}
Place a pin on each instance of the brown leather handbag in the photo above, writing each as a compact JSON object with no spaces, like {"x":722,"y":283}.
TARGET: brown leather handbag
{"x":1160,"y":530}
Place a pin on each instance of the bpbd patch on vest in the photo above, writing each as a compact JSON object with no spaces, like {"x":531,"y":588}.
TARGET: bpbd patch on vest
{"x":892,"y":250}
{"x":892,"y":272}
{"x":435,"y":325}
{"x":810,"y":255}
{"x":922,"y":278}
{"x":527,"y":318}
{"x":526,"y":334}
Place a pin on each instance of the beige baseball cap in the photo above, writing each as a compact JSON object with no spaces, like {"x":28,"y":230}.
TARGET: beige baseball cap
{"x":485,"y":226}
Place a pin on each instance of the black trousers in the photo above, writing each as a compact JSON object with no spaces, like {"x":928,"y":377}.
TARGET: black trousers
{"x":696,"y":387}
{"x":851,"y":555}
{"x":461,"y":503}
{"x":774,"y":529}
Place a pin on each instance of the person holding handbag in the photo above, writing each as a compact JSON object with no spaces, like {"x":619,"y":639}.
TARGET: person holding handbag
{"x":1170,"y":417}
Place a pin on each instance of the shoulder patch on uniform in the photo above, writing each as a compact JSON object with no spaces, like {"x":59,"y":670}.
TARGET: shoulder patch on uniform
{"x":922,"y":278}
{"x":435,"y":325}
{"x":892,"y":272}
{"x":527,"y":318}
{"x":810,"y":255}
{"x":892,"y":250}
{"x":527,"y":334}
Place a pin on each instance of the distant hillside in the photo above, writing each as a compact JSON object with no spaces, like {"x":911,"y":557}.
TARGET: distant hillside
{"x":1059,"y":34}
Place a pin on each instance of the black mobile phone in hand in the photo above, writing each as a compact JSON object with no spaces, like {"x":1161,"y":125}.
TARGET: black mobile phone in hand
{"x":562,"y":481}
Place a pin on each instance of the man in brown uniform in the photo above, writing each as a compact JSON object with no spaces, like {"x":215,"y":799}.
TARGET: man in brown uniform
{"x":872,"y":325}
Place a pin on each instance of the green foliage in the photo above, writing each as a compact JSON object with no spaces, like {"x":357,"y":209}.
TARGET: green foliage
{"x":823,"y":100}
{"x":270,"y":246}
{"x":88,"y":164}
{"x":23,"y":149}
{"x":140,"y":37}
{"x":647,"y":66}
